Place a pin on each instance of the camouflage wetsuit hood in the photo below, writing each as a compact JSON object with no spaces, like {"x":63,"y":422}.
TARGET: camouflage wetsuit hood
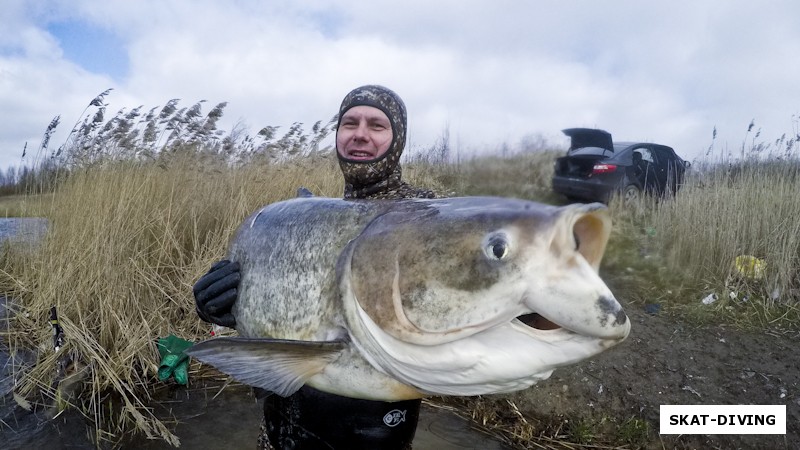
{"x":380,"y":178}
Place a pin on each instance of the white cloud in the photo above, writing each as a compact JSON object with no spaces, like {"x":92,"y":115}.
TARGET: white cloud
{"x":493,"y":72}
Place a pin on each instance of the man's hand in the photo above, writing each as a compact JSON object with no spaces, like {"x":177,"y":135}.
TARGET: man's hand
{"x":215,"y":293}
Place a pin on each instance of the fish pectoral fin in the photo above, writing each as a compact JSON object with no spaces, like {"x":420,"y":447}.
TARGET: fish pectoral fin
{"x":280,"y":366}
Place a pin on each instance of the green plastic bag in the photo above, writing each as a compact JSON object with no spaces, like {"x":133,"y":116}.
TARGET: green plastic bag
{"x":174,"y":362}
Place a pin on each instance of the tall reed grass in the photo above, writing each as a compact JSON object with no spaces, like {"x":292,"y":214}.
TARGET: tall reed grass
{"x":686,"y":247}
{"x":125,"y":245}
{"x":748,"y":210}
{"x":526,"y":175}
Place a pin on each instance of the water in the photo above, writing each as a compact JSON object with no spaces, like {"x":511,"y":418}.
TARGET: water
{"x":20,"y":428}
{"x":25,"y":229}
{"x":200,"y":417}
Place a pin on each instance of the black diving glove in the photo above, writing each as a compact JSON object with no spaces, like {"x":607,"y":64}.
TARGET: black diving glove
{"x":215,"y":293}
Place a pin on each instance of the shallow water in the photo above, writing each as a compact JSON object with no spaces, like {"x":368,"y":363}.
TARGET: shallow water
{"x":200,"y":417}
{"x":25,"y":229}
{"x":206,"y":418}
{"x":233,"y":419}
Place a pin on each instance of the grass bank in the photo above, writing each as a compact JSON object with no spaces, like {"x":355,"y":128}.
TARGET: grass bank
{"x":19,"y":205}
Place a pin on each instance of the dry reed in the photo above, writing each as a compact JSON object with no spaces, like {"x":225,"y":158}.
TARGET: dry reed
{"x":125,"y":245}
{"x":751,"y":210}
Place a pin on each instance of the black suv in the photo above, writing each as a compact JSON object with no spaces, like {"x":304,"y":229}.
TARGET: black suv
{"x":595,"y":168}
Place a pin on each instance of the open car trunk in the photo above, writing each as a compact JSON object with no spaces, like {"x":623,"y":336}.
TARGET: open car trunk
{"x":577,"y":166}
{"x":589,"y":137}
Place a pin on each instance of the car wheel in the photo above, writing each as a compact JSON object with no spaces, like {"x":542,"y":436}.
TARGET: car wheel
{"x":631,"y":194}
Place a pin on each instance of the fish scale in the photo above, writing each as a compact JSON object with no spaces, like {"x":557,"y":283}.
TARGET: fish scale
{"x":288,"y":301}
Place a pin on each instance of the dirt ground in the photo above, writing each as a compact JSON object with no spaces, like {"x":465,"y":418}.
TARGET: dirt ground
{"x":667,"y":361}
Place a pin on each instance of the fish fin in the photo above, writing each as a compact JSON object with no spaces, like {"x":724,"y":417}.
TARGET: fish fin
{"x":304,"y":192}
{"x":280,"y":366}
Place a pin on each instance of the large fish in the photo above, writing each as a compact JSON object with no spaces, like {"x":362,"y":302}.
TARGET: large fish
{"x":392,"y":300}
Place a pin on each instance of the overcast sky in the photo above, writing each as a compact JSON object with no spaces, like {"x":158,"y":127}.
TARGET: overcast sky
{"x":493,"y":72}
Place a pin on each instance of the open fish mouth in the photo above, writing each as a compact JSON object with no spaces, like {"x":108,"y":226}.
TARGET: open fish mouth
{"x":612,"y":326}
{"x":538,"y":322}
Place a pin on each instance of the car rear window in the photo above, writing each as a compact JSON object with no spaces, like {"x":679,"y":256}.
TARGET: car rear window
{"x":590,"y":151}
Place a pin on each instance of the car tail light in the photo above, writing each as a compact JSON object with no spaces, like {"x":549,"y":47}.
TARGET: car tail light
{"x":603,"y":168}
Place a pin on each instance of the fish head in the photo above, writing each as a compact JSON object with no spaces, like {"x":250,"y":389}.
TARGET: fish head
{"x":489,"y":288}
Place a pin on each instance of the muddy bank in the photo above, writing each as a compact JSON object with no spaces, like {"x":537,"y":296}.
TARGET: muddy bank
{"x":666,"y":360}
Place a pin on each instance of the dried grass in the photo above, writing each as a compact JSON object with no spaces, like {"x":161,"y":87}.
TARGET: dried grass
{"x":126,"y":243}
{"x":526,"y":175}
{"x":723,"y":212}
{"x":504,"y":421}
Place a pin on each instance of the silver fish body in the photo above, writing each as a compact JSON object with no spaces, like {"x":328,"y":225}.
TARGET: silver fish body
{"x":400,"y":299}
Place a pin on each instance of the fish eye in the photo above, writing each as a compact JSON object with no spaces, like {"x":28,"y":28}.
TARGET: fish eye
{"x":499,"y":250}
{"x":497,"y":247}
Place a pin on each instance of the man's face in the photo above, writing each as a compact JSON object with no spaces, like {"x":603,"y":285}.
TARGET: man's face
{"x":364,"y":133}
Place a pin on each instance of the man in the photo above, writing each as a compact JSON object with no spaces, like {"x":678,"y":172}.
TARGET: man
{"x":370,"y":138}
{"x":644,"y":171}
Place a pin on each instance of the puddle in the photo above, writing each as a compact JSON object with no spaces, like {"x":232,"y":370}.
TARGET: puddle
{"x":22,"y":229}
{"x":202,"y":419}
{"x":233,"y":419}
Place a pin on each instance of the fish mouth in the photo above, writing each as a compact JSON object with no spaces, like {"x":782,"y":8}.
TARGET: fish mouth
{"x":547,"y":329}
{"x":538,"y":322}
